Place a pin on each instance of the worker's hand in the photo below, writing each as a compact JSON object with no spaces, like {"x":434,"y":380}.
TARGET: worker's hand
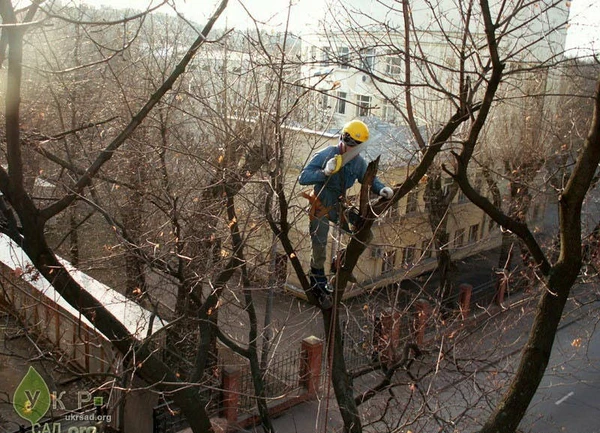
{"x":386,"y":192}
{"x":330,"y":167}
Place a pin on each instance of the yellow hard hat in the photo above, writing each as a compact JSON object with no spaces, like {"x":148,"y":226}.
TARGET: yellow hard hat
{"x":356,"y":130}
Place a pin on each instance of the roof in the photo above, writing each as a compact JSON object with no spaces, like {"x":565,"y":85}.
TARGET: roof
{"x":134,"y":317}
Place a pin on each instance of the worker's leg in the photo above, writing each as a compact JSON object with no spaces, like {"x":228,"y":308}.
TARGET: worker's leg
{"x":319,"y":230}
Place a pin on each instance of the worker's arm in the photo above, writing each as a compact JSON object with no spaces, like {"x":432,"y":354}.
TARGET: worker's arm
{"x":313,"y":172}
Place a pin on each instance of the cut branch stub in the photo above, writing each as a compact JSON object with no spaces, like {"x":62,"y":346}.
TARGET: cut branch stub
{"x":366,"y":212}
{"x":362,"y":235}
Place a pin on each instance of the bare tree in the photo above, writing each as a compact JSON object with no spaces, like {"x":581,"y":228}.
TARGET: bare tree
{"x":470,"y":86}
{"x":33,"y":219}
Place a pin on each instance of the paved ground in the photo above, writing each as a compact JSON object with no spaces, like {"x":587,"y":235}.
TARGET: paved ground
{"x":567,"y":400}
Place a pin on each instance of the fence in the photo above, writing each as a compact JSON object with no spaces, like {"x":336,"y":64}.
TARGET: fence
{"x":296,"y":376}
{"x":379,"y":338}
{"x":280,"y":379}
{"x":166,"y":418}
{"x":289,"y":380}
{"x":358,"y":334}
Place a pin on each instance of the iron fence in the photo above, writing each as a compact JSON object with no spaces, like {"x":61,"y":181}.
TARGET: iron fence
{"x":281,"y":378}
{"x":357,"y":337}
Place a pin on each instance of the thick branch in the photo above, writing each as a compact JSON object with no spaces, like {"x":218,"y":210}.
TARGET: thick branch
{"x":403,"y":362}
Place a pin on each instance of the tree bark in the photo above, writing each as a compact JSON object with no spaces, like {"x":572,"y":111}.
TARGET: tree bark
{"x":437,"y":205}
{"x":341,"y":380}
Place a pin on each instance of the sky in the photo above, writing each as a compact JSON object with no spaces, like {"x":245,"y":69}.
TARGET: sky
{"x":271,"y":12}
{"x":583,"y":31}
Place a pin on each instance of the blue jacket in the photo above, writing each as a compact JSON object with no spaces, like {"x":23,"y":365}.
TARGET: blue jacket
{"x":330,"y":188}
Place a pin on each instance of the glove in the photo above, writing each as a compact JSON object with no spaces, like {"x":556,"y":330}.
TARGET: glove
{"x":330,"y":167}
{"x":386,"y":192}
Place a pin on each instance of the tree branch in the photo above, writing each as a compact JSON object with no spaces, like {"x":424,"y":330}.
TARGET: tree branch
{"x":108,"y":152}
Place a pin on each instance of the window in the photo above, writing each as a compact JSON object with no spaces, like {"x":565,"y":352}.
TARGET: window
{"x":388,"y":112}
{"x":389,"y":260}
{"x":313,"y":53}
{"x":344,"y":57}
{"x":363,"y":105}
{"x":408,"y":254}
{"x":325,"y":57}
{"x":393,"y":64}
{"x":459,"y":238}
{"x":411,"y":202}
{"x":376,"y":252}
{"x":474,"y":233}
{"x":484,"y":224}
{"x":426,"y":248}
{"x":324,"y":101}
{"x":340,"y":105}
{"x":462,"y":198}
{"x":367,"y":57}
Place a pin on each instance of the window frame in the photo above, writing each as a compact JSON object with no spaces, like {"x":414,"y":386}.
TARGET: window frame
{"x":409,"y":255}
{"x":367,"y":59}
{"x":474,"y":233}
{"x":325,"y":59}
{"x":426,"y":249}
{"x":391,"y":68}
{"x":344,"y":57}
{"x":340,"y":105}
{"x":459,"y":238}
{"x":363,"y":105}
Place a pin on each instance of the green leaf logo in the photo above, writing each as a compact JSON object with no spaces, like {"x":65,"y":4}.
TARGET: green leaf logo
{"x":32,"y":397}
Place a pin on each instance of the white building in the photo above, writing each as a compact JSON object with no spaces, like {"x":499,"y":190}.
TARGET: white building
{"x":357,"y":55}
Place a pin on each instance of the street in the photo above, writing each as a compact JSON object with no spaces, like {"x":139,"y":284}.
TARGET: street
{"x":567,"y":400}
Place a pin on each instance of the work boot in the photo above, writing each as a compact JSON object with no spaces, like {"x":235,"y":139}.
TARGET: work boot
{"x":321,"y":288}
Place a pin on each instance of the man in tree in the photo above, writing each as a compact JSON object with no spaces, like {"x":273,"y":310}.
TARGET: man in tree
{"x":332,"y":171}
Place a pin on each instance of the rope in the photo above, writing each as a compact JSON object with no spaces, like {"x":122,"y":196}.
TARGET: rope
{"x":333,"y":327}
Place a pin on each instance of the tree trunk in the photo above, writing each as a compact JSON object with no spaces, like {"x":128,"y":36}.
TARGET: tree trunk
{"x":340,"y":378}
{"x":437,"y":205}
{"x":536,"y":354}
